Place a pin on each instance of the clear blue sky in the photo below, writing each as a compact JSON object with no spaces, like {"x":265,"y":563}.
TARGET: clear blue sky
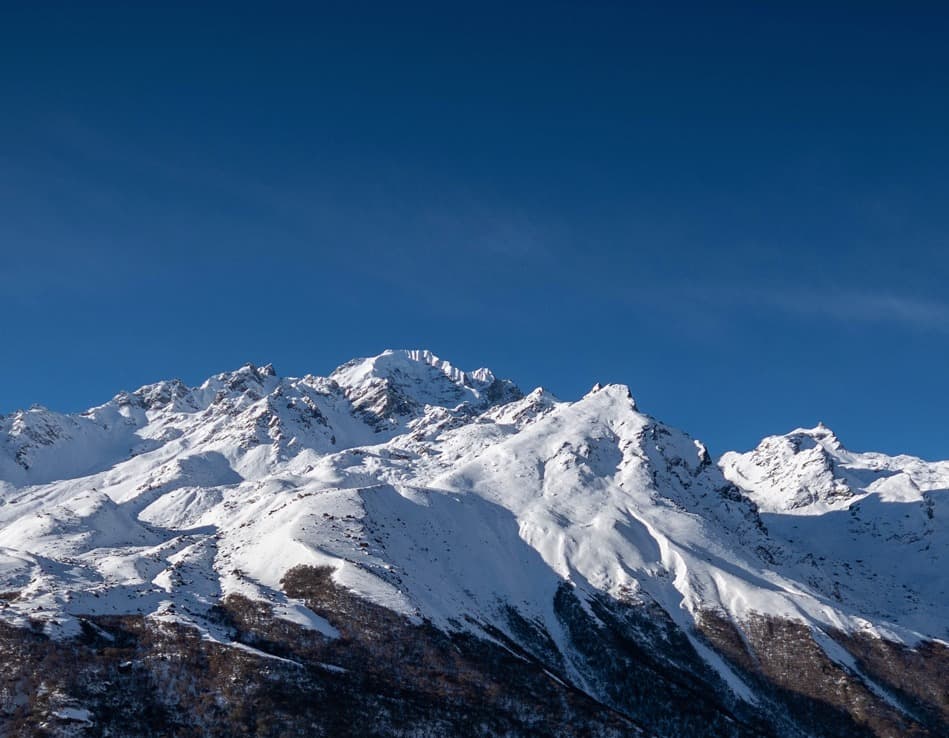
{"x":740,"y":210}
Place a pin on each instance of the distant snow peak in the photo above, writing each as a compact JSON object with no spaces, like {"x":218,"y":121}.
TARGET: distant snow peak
{"x":251,"y":372}
{"x":407,"y":361}
{"x":798,"y":471}
{"x":820,"y":434}
{"x":160,"y":394}
{"x":397,"y":385}
{"x":617,"y":391}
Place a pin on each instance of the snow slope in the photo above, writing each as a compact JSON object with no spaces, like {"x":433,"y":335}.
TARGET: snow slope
{"x":451,"y":496}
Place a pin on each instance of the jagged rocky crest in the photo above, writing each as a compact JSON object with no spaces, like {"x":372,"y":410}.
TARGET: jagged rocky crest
{"x":405,"y":548}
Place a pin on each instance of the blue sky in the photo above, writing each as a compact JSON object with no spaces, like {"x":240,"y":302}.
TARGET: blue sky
{"x":740,"y":211}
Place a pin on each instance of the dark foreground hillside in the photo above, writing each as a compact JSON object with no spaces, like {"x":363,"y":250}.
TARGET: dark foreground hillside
{"x":129,"y":676}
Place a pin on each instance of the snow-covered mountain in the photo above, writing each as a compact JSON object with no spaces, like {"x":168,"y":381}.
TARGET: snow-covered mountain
{"x":866,"y":529}
{"x":463,"y":507}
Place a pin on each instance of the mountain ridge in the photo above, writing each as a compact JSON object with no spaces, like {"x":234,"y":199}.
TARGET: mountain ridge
{"x":455,"y":501}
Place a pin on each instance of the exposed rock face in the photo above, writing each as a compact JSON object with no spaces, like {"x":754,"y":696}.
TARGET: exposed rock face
{"x":790,"y":664}
{"x":405,"y":548}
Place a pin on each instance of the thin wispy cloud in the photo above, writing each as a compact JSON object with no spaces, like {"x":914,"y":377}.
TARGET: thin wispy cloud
{"x":865,"y":306}
{"x":868,"y":307}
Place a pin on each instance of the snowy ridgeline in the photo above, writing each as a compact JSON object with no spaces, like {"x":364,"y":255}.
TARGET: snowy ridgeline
{"x":448,"y":495}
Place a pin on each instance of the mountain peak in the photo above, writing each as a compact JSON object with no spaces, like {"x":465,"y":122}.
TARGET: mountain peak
{"x":398,"y":383}
{"x":267,"y":370}
{"x":616,"y":391}
{"x":820,"y":434}
{"x":416,"y":362}
{"x":799,"y":470}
